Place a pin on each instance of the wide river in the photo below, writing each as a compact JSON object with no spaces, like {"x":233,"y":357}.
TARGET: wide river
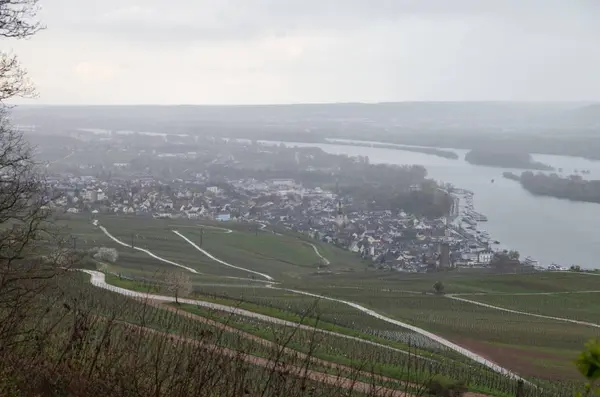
{"x":547,"y":229}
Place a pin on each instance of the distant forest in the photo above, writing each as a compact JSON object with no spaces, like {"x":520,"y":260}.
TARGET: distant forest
{"x":505,"y":160}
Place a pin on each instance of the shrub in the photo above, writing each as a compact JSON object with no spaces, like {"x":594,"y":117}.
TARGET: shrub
{"x":588,"y":364}
{"x":443,"y":386}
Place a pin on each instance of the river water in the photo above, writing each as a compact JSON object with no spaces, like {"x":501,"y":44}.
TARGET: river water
{"x":547,"y":229}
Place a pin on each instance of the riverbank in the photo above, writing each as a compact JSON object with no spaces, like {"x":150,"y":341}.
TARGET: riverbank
{"x":547,"y":229}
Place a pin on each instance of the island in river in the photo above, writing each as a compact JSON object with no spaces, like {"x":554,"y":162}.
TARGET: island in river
{"x":448,"y":154}
{"x":573,"y":188}
{"x":503,"y":159}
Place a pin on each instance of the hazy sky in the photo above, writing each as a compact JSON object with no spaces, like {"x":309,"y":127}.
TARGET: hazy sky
{"x":289,"y":51}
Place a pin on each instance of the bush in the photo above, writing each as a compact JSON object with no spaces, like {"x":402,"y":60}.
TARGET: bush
{"x":443,"y":386}
{"x":588,"y":364}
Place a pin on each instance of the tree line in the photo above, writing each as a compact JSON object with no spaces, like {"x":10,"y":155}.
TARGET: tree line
{"x":573,"y":187}
{"x":505,"y":159}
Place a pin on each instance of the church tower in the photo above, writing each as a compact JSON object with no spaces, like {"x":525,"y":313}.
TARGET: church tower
{"x":340,"y":218}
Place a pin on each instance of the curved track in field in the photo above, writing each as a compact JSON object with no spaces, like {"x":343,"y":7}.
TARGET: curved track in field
{"x":567,"y":320}
{"x":266,"y":276}
{"x":116,"y":240}
{"x":325,"y":260}
{"x":98,"y":279}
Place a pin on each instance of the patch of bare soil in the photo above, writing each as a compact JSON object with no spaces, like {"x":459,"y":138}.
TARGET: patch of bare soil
{"x":524,"y":362}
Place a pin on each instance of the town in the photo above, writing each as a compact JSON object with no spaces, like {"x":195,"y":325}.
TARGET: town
{"x":387,"y":238}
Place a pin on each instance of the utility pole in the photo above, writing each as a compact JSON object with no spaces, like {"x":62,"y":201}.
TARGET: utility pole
{"x":132,"y":241}
{"x":74,"y":238}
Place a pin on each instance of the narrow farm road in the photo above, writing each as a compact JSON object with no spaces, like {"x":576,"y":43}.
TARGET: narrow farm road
{"x":247,"y":279}
{"x":98,"y":279}
{"x":266,"y":276}
{"x":263,"y":227}
{"x":461,"y":350}
{"x":567,"y":320}
{"x":525,"y":293}
{"x":225,"y":230}
{"x":325,"y":260}
{"x":116,"y":240}
{"x":60,"y":159}
{"x":582,"y":273}
{"x":201,"y":226}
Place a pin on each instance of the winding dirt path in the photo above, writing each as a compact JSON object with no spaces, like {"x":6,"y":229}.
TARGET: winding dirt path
{"x":325,"y":260}
{"x":116,"y":240}
{"x":266,"y":276}
{"x":567,"y":320}
{"x":98,"y":279}
{"x":525,"y":293}
{"x":208,"y":227}
{"x":225,"y":230}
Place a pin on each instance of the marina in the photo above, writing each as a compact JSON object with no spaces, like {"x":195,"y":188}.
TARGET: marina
{"x":481,"y":247}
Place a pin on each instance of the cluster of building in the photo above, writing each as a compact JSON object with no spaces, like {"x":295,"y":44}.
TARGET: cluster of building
{"x":384,"y":239}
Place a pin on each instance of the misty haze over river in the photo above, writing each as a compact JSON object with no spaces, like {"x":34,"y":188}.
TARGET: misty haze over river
{"x":548,"y":229}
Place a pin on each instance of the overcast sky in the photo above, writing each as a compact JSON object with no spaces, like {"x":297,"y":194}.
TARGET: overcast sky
{"x":292,"y":51}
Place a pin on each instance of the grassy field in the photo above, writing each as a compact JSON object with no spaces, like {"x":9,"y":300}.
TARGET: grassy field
{"x":540,"y":348}
{"x":532,"y":346}
{"x":547,"y":346}
{"x":325,"y":315}
{"x":281,"y":256}
{"x":461,"y":319}
{"x":354,"y":355}
{"x":458,"y":283}
{"x":576,"y":306}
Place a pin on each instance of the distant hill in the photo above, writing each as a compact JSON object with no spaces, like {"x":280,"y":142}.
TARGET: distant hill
{"x":336,"y":116}
{"x":587,"y":115}
{"x":415,"y":111}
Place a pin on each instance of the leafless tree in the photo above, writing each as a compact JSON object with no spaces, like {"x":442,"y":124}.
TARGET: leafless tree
{"x":30,"y":251}
{"x":177,"y":284}
{"x":17,"y":20}
{"x":13,"y":79}
{"x":106,"y":254}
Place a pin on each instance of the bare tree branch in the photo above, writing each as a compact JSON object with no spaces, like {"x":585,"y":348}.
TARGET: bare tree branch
{"x":32,"y":253}
{"x":18,"y":18}
{"x":14,"y":81}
